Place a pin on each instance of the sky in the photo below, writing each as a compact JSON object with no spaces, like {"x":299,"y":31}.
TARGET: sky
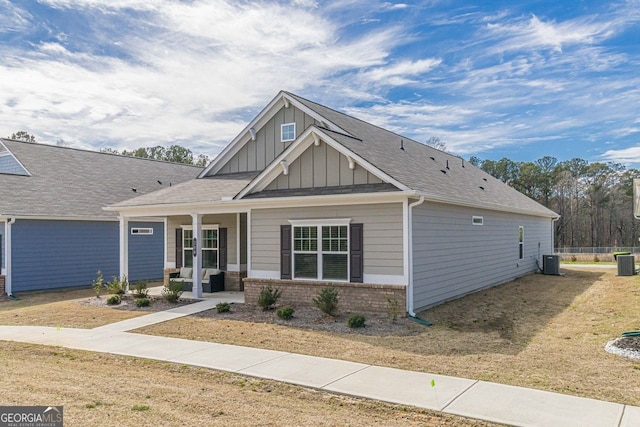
{"x":491,"y":79}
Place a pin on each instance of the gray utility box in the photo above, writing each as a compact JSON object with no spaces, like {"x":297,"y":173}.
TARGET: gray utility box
{"x":551,"y":264}
{"x":626,"y":265}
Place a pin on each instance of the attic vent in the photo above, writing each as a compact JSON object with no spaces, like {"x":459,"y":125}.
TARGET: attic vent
{"x":482,"y":188}
{"x":443,"y":171}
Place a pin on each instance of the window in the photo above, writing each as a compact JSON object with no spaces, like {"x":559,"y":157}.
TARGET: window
{"x":137,"y":230}
{"x":288,"y":132}
{"x":321,"y":252}
{"x":208,"y":246}
{"x":520,"y":242}
{"x":477,"y":220}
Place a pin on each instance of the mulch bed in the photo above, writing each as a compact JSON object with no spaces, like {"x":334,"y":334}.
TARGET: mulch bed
{"x":128,"y":303}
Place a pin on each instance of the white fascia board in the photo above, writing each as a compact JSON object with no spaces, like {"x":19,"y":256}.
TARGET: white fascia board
{"x":78,"y":218}
{"x":298,"y":147}
{"x":257,"y":123}
{"x":487,"y":206}
{"x":246,"y":205}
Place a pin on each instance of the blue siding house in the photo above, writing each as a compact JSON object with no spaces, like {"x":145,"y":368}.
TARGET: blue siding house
{"x":53,"y":230}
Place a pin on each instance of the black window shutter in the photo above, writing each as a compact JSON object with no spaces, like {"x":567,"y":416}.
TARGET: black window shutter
{"x":178,"y":247}
{"x":285,"y":251}
{"x":222,"y":248}
{"x":355,"y":256}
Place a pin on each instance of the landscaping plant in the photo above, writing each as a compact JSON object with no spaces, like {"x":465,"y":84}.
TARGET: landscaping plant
{"x":223,"y":307}
{"x":98,"y":283}
{"x":143,"y":302}
{"x":394,"y":309}
{"x":327,"y":300}
{"x":172,"y":291}
{"x":285,"y":312}
{"x":268,"y":297}
{"x":140,"y":290}
{"x":117,"y":286}
{"x":114,"y":300}
{"x":356,"y":321}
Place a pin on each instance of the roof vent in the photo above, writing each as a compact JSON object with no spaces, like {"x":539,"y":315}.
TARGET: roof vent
{"x":433,"y":158}
{"x":462,"y":162}
{"x":443,"y":171}
{"x":482,"y":188}
{"x":447,"y":164}
{"x":485,"y":179}
{"x":402,"y":144}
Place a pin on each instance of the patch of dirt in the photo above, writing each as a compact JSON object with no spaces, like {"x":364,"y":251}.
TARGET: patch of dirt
{"x":629,"y":343}
{"x":312,"y":318}
{"x":128,"y":303}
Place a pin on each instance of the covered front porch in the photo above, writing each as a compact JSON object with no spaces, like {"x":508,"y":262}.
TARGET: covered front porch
{"x":197,"y":245}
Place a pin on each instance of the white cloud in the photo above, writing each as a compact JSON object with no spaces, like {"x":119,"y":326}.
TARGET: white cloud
{"x":401,"y":73}
{"x":626,"y":156}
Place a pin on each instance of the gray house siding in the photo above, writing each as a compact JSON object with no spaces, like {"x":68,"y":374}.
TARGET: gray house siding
{"x":58,"y":254}
{"x":322,"y":166}
{"x":256,"y":155}
{"x":383,"y":244}
{"x":2,"y":245}
{"x":146,"y":257}
{"x":452,"y":257}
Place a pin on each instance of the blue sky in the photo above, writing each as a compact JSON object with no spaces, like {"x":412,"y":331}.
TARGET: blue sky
{"x":493,"y":79}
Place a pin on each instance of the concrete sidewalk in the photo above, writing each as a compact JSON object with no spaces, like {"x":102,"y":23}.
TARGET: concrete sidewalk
{"x":469,"y":398}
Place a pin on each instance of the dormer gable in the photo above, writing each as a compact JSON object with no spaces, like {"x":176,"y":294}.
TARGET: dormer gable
{"x":9,"y":164}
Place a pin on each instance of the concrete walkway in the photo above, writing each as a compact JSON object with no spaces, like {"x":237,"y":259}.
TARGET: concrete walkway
{"x":469,"y":398}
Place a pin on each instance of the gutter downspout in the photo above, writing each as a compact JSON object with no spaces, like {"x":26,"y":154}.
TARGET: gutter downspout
{"x":553,"y":233}
{"x":410,"y":284}
{"x":7,"y":251}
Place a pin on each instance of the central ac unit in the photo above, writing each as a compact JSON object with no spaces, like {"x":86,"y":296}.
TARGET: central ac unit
{"x":551,"y":264}
{"x":626,"y":265}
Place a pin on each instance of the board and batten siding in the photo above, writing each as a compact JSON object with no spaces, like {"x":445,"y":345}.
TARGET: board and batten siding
{"x":60,"y":254}
{"x":322,"y":166}
{"x":228,"y":221}
{"x":452,"y":257}
{"x":256,"y":155}
{"x":383,"y":239}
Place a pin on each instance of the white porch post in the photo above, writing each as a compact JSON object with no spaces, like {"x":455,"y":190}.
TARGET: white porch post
{"x":7,"y":253}
{"x":124,"y":248}
{"x":197,"y":256}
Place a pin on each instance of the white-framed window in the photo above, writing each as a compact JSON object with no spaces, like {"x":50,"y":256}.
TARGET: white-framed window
{"x":141,"y":230}
{"x":321,"y":250}
{"x":477,"y":220}
{"x":520,"y":242}
{"x":208,"y":246}
{"x":287,"y":132}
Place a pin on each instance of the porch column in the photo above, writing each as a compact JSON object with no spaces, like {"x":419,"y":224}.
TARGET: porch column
{"x":197,"y":255}
{"x":124,"y":248}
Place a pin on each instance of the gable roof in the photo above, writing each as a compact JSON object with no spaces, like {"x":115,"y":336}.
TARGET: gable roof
{"x":72,"y":183}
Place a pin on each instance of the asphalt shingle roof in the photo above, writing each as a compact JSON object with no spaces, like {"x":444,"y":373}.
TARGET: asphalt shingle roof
{"x":434,"y":173}
{"x":71,"y":183}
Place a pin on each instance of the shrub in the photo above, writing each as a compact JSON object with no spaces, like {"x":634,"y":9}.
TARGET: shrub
{"x":117,"y":285}
{"x":143,"y":302}
{"x":98,"y":283}
{"x":140,"y":290}
{"x":172,"y":291}
{"x":268,"y":297}
{"x":394,"y":309}
{"x":114,"y":300}
{"x":356,"y":321}
{"x":327,"y":300}
{"x":223,"y":307}
{"x":573,"y":258}
{"x":596,"y":259}
{"x":285,"y":313}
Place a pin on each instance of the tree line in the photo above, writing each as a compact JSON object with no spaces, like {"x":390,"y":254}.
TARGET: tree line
{"x":595,"y":200}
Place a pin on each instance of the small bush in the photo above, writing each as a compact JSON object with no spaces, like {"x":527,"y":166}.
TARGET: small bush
{"x":118,"y":286}
{"x":394,"y":309}
{"x":140,"y":290}
{"x":98,"y":283}
{"x":114,"y":300}
{"x":285,"y":313}
{"x":143,"y":302}
{"x":596,"y":259}
{"x":573,"y":258}
{"x":268,"y":297}
{"x":327,"y":300}
{"x":223,"y":307}
{"x":356,"y":321}
{"x":172,"y":291}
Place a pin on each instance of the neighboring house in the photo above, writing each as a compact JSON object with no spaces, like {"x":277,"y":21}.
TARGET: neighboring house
{"x":53,"y":230}
{"x":307,"y":197}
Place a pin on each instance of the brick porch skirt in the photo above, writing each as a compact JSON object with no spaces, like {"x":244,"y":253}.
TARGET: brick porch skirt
{"x":232,"y":279}
{"x":353,"y":297}
{"x":2,"y":288}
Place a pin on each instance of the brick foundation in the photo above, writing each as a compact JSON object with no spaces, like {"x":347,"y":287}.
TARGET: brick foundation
{"x":353,"y":297}
{"x":2,"y":288}
{"x":232,"y":279}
